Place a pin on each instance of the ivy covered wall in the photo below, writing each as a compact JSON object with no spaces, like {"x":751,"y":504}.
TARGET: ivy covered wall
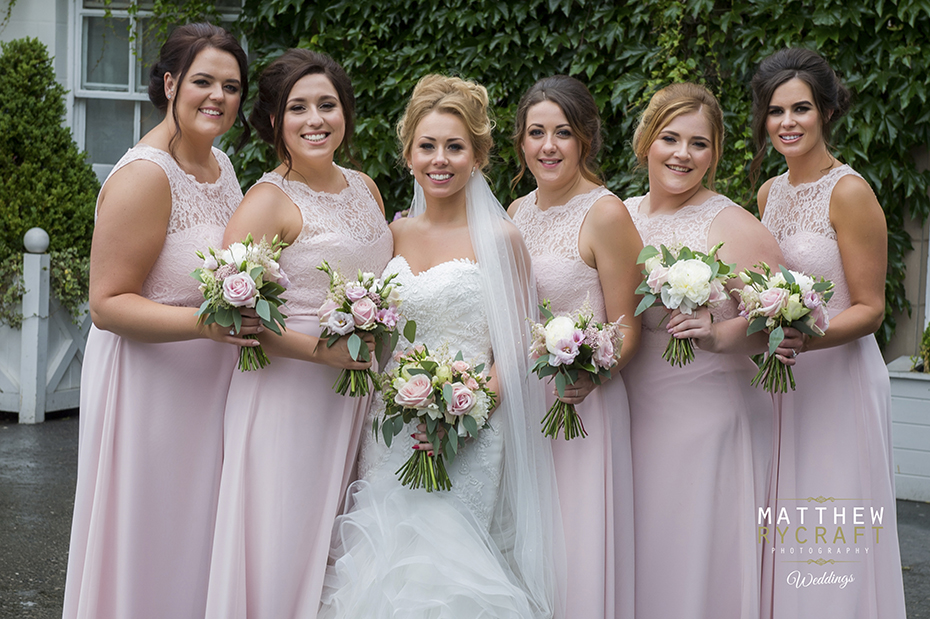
{"x":624,"y":52}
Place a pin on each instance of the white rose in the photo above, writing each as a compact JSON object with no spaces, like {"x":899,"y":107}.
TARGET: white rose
{"x":235,"y":254}
{"x":651,"y":264}
{"x":689,"y":285}
{"x":806,"y":282}
{"x":558,"y":330}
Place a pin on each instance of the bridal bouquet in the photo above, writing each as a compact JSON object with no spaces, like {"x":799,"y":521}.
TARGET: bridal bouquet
{"x":564,"y":346}
{"x":446,"y":393}
{"x":685,"y":281}
{"x":365,"y":303}
{"x":246,"y":275}
{"x":772,"y":301}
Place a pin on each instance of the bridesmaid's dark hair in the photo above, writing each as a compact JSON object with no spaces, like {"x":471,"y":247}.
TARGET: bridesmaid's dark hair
{"x":274,"y":88}
{"x":831,"y":97}
{"x":576,"y":102}
{"x":176,"y":57}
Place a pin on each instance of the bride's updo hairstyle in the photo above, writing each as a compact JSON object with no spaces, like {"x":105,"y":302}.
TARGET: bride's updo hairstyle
{"x":176,"y":57}
{"x":580,"y":109}
{"x":831,"y":97}
{"x":670,"y":103}
{"x":449,"y":95}
{"x":274,"y":89}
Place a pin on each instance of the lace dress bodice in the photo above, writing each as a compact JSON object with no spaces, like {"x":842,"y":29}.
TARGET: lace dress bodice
{"x":799,"y":219}
{"x":446,"y":302}
{"x":346,"y":229}
{"x":689,"y":226}
{"x":551,"y":236}
{"x":199,"y":213}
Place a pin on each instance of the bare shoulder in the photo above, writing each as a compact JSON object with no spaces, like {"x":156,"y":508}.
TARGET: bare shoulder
{"x":762,"y":197}
{"x":515,"y":206}
{"x":138,"y":190}
{"x":609,"y":211}
{"x":853,"y":193}
{"x":737,"y":217}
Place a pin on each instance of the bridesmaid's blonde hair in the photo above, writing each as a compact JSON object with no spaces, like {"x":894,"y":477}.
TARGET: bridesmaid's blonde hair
{"x":449,"y":95}
{"x":670,"y":103}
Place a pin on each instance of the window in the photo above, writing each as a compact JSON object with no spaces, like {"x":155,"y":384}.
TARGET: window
{"x":111,"y":75}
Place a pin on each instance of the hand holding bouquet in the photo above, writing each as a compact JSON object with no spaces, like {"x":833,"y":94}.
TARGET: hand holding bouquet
{"x":367,"y":304}
{"x":449,"y":395}
{"x":565,"y":346}
{"x":246,"y":275}
{"x":783,"y":299}
{"x":685,"y":282}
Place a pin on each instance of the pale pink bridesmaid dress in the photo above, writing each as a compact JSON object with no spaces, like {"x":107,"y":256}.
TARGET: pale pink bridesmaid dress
{"x":834,"y":452}
{"x":594,"y":474}
{"x":702,"y":455}
{"x":291,"y":440}
{"x":151,"y":435}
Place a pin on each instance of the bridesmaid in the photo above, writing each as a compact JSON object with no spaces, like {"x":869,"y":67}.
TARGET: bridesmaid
{"x":835,"y":429}
{"x":702,"y":436}
{"x":584,"y":247}
{"x":291,"y":440}
{"x":154,"y":380}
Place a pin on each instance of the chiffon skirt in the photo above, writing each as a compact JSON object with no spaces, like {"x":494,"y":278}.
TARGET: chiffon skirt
{"x":834,"y":459}
{"x":151,"y":440}
{"x":702,"y":455}
{"x":595,"y":482}
{"x":291,"y":443}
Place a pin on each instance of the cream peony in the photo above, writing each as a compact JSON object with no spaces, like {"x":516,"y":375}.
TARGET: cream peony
{"x":688,"y":285}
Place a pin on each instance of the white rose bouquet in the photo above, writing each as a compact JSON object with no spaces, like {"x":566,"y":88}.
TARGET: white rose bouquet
{"x":685,"y":281}
{"x":365,"y":303}
{"x":246,"y":275}
{"x":446,"y":393}
{"x":564,"y":346}
{"x":772,"y":301}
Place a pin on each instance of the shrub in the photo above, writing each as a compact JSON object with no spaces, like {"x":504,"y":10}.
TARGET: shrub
{"x":45,"y":181}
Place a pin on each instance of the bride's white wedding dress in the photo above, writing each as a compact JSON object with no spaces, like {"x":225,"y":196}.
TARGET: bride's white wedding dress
{"x":399,"y":552}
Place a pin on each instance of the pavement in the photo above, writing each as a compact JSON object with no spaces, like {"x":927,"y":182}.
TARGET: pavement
{"x":37,"y":477}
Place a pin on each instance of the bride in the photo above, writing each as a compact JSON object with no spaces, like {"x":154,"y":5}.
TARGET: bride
{"x":488,"y":548}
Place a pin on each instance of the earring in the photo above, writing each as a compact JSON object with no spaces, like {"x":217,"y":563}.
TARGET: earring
{"x":170,"y":94}
{"x":473,"y":172}
{"x":410,"y":170}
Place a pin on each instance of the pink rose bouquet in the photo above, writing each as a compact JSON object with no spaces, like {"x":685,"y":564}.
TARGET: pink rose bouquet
{"x":245,"y":275}
{"x":772,"y":301}
{"x":363,"y":304}
{"x":684,"y":281}
{"x":564,"y":346}
{"x":449,"y":395}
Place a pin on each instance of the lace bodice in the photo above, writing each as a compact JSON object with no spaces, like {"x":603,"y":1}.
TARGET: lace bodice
{"x":689,"y":226}
{"x":199,"y":212}
{"x":446,"y":302}
{"x":551,"y":236}
{"x":346,"y":229}
{"x":799,"y":219}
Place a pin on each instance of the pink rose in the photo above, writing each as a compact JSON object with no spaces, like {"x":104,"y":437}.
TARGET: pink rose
{"x":718,"y":294}
{"x":283,"y":281}
{"x":460,"y":366}
{"x":821,"y":318}
{"x":463,"y":399}
{"x":772,"y":301}
{"x":239,"y":290}
{"x":354,"y":292}
{"x":657,"y":278}
{"x":416,"y":393}
{"x":328,"y":307}
{"x":365,"y":313}
{"x":604,"y":353}
{"x":471,"y":383}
